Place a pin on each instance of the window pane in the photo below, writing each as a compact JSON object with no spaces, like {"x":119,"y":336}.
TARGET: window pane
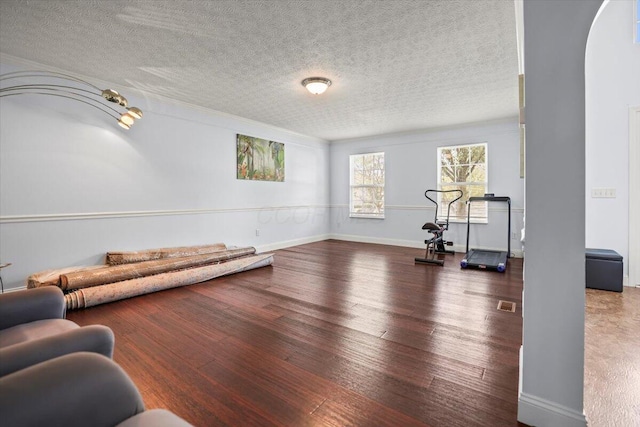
{"x":447,"y":174}
{"x":357,"y":178}
{"x":477,"y":154}
{"x":457,"y":209}
{"x":478,"y":173}
{"x":446,"y":157}
{"x":462,"y":155}
{"x":367,"y":184}
{"x":466,"y":170}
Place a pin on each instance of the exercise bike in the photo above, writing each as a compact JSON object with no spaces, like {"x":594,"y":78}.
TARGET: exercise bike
{"x":436,"y":244}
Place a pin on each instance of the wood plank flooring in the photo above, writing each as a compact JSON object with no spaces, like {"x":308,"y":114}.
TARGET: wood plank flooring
{"x":612,"y":358}
{"x":333,"y":334}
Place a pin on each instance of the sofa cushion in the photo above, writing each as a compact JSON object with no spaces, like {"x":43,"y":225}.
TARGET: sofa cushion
{"x":34,"y":330}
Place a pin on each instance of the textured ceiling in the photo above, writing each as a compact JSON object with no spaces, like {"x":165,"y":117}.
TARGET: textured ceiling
{"x":396,"y":65}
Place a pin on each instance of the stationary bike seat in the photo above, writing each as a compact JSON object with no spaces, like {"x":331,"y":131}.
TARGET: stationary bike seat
{"x":431,"y":227}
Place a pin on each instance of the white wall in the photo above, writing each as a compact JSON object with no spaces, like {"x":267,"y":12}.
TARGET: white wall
{"x":552,"y":365}
{"x":612,"y":87}
{"x":74,"y":185}
{"x":411,"y":168}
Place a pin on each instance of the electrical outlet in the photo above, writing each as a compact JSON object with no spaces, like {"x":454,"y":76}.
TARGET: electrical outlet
{"x":257,"y":232}
{"x":514,"y":235}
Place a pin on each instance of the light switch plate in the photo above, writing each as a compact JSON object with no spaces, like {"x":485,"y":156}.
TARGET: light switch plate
{"x":608,"y":193}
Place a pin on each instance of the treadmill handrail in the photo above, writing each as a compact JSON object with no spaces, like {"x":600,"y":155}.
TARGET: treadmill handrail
{"x":490,"y":199}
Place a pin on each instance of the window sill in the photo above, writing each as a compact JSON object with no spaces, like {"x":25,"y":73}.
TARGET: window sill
{"x":366,"y":216}
{"x":472,"y":221}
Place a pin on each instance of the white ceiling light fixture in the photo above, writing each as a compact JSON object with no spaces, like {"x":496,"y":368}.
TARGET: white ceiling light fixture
{"x":316,"y":85}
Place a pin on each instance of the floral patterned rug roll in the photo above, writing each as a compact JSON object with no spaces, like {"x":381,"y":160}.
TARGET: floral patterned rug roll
{"x":103,"y":294}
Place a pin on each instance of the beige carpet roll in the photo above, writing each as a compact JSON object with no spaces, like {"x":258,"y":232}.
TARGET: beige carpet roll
{"x":116,"y":258}
{"x":52,"y":277}
{"x":118,"y":273}
{"x":96,"y":295}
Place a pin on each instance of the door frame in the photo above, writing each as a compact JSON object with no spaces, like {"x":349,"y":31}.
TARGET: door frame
{"x":634,"y":196}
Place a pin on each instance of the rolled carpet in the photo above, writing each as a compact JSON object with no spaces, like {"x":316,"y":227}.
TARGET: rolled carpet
{"x":96,"y":295}
{"x":117,"y":273}
{"x":116,"y":258}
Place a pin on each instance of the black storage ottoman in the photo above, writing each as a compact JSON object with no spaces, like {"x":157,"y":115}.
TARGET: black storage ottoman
{"x":604,"y":270}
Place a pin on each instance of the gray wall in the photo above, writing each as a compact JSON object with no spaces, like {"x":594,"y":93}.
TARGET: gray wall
{"x":552,"y":365}
{"x":612,"y":87}
{"x":411,"y":168}
{"x":74,"y":185}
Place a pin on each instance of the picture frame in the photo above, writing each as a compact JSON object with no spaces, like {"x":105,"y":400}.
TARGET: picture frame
{"x":259,"y":159}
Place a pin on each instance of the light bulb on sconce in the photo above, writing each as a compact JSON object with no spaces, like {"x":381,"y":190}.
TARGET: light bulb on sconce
{"x":51,"y":83}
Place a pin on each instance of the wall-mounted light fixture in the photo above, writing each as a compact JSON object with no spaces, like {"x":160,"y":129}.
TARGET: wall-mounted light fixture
{"x":316,"y":85}
{"x":70,"y":87}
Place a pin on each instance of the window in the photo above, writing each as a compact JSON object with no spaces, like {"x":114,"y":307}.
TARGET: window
{"x":366,"y":185}
{"x":463,"y":167}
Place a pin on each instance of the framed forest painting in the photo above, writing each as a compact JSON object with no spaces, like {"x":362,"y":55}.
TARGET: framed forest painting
{"x":259,"y":159}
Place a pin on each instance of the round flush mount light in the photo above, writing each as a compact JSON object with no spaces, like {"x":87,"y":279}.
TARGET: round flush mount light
{"x":316,"y":85}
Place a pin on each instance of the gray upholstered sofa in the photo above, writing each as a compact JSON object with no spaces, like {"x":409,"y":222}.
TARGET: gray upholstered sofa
{"x":79,"y":389}
{"x":33,"y":329}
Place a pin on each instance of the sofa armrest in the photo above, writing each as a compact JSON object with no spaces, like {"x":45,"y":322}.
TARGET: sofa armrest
{"x":93,"y":338}
{"x":76,"y":389}
{"x":31,"y":305}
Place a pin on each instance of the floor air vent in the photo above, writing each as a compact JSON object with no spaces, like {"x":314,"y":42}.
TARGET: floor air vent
{"x":507,"y":306}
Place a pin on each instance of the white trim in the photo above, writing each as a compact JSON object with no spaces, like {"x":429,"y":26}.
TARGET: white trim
{"x":289,"y":243}
{"x":428,"y":208}
{"x":366,"y":215}
{"x":636,"y":21}
{"x":519,"y":9}
{"x":634,"y":196}
{"x":14,"y":289}
{"x":406,"y":243}
{"x":130,"y":214}
{"x":533,"y":410}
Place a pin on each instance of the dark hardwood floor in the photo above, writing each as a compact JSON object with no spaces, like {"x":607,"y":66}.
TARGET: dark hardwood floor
{"x":334,"y":333}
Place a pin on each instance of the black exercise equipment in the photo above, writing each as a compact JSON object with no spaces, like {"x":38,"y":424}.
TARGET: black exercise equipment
{"x":436,"y":244}
{"x":483,"y":258}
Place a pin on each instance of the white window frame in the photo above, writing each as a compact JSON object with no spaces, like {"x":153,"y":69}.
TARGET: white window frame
{"x":352,"y":209}
{"x":443,"y":206}
{"x":636,"y":20}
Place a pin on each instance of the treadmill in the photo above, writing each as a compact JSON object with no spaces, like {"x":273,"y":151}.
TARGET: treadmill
{"x":483,"y":258}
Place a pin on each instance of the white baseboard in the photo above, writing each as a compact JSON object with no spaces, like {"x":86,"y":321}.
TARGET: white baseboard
{"x":288,"y":243}
{"x":19,"y":288}
{"x":404,"y":243}
{"x":539,"y":412}
{"x":378,"y":240}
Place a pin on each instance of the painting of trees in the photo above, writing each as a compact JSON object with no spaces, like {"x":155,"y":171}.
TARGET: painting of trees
{"x":259,"y":159}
